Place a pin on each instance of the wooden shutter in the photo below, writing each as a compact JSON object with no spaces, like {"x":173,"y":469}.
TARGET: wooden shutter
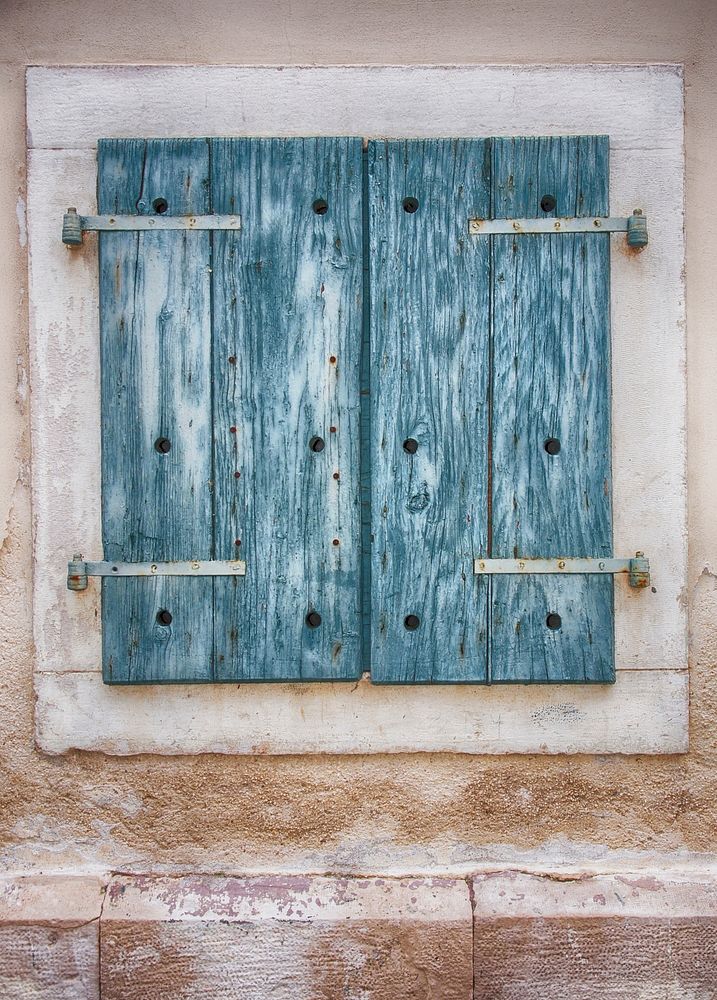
{"x":156,"y":384}
{"x":235,"y":349}
{"x":287,"y":326}
{"x":491,"y":353}
{"x":232,"y":427}
{"x":430,"y":321}
{"x":551,"y":380}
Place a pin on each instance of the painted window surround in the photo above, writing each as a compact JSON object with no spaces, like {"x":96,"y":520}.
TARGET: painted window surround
{"x":641,"y":109}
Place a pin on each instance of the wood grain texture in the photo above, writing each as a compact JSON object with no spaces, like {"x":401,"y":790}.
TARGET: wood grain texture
{"x":155,"y":328}
{"x":551,"y":379}
{"x":288,"y":311}
{"x":429,"y":381}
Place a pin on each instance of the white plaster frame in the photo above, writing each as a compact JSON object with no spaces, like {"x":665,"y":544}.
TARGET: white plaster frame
{"x":641,"y":109}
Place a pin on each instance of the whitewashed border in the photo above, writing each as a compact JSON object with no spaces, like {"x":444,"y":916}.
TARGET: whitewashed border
{"x":641,"y":108}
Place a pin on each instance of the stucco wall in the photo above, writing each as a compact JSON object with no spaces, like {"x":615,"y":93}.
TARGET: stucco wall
{"x":359,"y":813}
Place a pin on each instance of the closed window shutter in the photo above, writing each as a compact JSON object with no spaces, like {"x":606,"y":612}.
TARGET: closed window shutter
{"x":491,"y":354}
{"x":233,"y":364}
{"x":551,"y":383}
{"x":225,"y":358}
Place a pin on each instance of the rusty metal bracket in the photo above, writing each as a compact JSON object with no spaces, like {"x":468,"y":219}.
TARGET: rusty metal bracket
{"x":638,"y":569}
{"x":74,"y":225}
{"x":635,"y":226}
{"x":78,"y":570}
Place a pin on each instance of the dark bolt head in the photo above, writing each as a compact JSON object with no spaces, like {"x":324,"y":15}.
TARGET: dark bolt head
{"x":313,"y":619}
{"x":320,"y":206}
{"x":317,"y":444}
{"x":552,"y":446}
{"x":411,"y":622}
{"x":410,"y":205}
{"x":554,"y":621}
{"x":410,"y":446}
{"x":164,"y":617}
{"x":548,"y":203}
{"x":160,"y":205}
{"x":162,"y":445}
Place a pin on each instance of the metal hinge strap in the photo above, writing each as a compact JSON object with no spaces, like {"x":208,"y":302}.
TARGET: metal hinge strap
{"x":78,"y":570}
{"x":634,"y":225}
{"x":638,"y":568}
{"x":74,"y":225}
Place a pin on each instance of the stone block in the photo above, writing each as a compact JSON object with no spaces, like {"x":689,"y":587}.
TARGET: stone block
{"x":617,"y":937}
{"x":49,"y":938}
{"x":288,"y":938}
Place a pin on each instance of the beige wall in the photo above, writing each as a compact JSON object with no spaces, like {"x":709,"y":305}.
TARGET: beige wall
{"x":352,"y":813}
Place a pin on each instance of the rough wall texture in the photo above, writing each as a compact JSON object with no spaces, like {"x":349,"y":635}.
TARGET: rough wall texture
{"x":353,"y":814}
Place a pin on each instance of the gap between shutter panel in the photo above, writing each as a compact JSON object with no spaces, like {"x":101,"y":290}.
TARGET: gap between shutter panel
{"x":551,"y":476}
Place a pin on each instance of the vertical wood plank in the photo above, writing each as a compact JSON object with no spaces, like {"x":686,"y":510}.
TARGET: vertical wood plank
{"x":551,"y":380}
{"x":287,"y":324}
{"x":155,"y":350}
{"x":429,"y":382}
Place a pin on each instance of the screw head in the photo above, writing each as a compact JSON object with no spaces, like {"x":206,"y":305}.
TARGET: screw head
{"x":313,"y":619}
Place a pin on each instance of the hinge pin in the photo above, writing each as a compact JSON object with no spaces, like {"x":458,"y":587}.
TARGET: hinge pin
{"x":637,"y":229}
{"x":639,"y":571}
{"x":72,"y":228}
{"x":77,"y":573}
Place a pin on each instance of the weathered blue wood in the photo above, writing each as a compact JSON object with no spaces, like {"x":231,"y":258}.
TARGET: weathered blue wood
{"x":365,"y":478}
{"x":287,"y":325}
{"x":551,"y":379}
{"x":156,"y":349}
{"x":429,"y":382}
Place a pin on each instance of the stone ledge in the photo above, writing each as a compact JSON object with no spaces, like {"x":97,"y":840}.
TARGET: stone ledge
{"x":617,"y":937}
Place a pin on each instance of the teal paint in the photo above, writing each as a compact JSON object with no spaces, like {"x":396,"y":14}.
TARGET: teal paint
{"x":156,"y":374}
{"x":479,"y":348}
{"x":287,"y":299}
{"x":551,"y":380}
{"x":429,"y":382}
{"x":366,"y":430}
